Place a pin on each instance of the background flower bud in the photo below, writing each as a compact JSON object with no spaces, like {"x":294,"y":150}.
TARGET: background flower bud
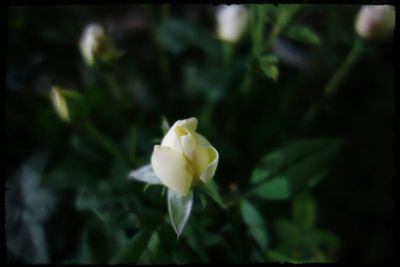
{"x":375,"y":22}
{"x":231,"y":22}
{"x":184,"y":158}
{"x":96,"y":45}
{"x":68,"y":104}
{"x":60,"y":104}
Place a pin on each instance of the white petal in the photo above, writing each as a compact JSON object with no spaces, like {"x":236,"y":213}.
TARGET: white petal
{"x":172,"y":168}
{"x":190,"y":124}
{"x":231,"y":21}
{"x":173,"y":137}
{"x":89,"y":41}
{"x":201,"y":140}
{"x":188,"y":144}
{"x":205,"y":162}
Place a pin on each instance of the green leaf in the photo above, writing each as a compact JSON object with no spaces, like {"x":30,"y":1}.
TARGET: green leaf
{"x":211,"y":189}
{"x":284,"y":14}
{"x":288,"y":233}
{"x":269,"y":65}
{"x":277,"y":188}
{"x":254,"y":220}
{"x":294,"y":167}
{"x":154,"y":253}
{"x":303,"y":34}
{"x":179,"y":207}
{"x":145,"y":174}
{"x":258,"y":16}
{"x":132,"y":250}
{"x":304,"y":211}
{"x":86,"y":199}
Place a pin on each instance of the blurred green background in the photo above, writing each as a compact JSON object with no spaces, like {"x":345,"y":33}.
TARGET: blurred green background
{"x":68,"y":199}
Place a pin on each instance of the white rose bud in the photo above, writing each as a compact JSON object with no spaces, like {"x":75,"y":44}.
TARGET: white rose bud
{"x":96,"y":45}
{"x":375,"y":22}
{"x":231,"y":21}
{"x":60,"y":104}
{"x":184,"y":158}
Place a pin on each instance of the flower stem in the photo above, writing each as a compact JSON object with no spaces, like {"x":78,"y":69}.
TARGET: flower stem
{"x":227,"y":49}
{"x":336,"y":80}
{"x":344,"y":69}
{"x":115,"y":90}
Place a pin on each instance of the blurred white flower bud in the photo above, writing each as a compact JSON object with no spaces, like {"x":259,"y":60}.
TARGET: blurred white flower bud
{"x":59,"y":103}
{"x":375,"y":22}
{"x":231,"y":22}
{"x":96,"y":45}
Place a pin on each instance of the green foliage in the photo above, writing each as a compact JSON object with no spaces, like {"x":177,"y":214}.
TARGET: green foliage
{"x":269,"y":65}
{"x":133,"y":249}
{"x":294,"y":167}
{"x":304,"y":211}
{"x":299,"y":240}
{"x":211,"y":189}
{"x":303,"y":34}
{"x":254,"y":220}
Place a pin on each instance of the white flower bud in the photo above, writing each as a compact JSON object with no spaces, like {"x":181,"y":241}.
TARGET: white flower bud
{"x":60,"y":104}
{"x":375,"y":22}
{"x":231,"y":22}
{"x":184,"y":158}
{"x":96,"y":45}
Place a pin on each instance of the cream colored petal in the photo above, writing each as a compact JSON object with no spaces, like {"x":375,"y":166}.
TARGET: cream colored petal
{"x":171,"y":139}
{"x":181,"y":128}
{"x":188,"y":144}
{"x":59,"y":103}
{"x":201,"y":140}
{"x":172,"y":168}
{"x":88,"y":41}
{"x":205,"y":162}
{"x":190,"y":124}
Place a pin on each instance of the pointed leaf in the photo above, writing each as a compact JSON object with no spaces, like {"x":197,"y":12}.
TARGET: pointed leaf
{"x":269,"y":65}
{"x":154,"y":252}
{"x":304,"y":211}
{"x":179,"y":207}
{"x":145,"y":174}
{"x":294,"y":167}
{"x":131,"y":252}
{"x":254,"y":220}
{"x":303,"y":34}
{"x":211,"y":189}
